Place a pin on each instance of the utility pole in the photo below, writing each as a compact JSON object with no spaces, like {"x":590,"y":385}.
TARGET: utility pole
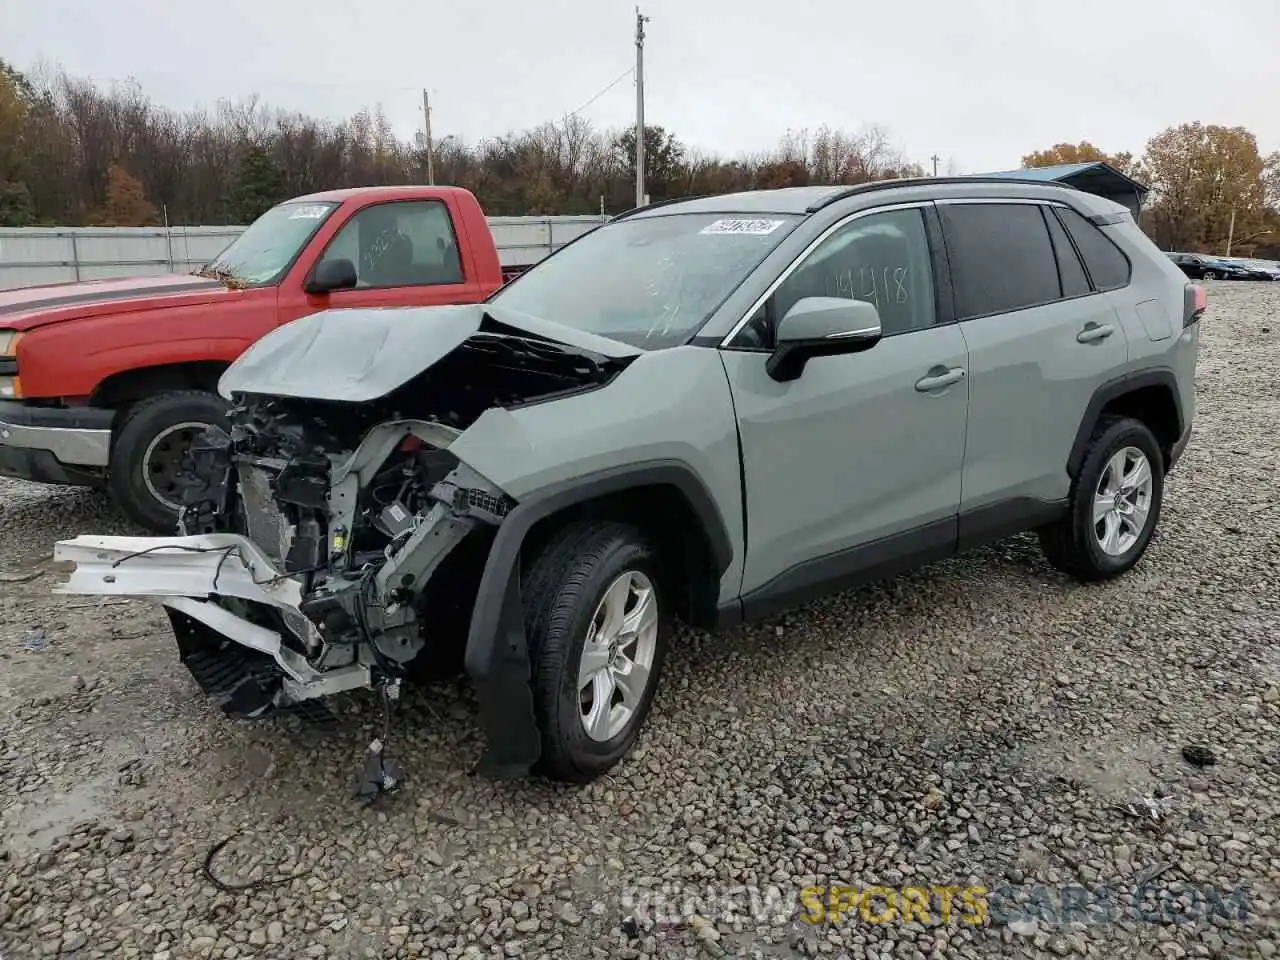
{"x":935,"y":159}
{"x":641,"y":197}
{"x":1231,"y":230}
{"x":426,"y":116}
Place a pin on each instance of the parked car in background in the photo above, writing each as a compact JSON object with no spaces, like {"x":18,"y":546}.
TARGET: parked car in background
{"x":1201,"y":266}
{"x":716,"y":409}
{"x":1258,"y":269}
{"x":104,"y":383}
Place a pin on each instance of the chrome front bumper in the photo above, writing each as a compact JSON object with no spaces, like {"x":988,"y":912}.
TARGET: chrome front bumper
{"x":182,"y":572}
{"x":79,"y":437}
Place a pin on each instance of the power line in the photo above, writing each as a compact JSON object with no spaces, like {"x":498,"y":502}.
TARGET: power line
{"x":622,"y":76}
{"x":613,"y":83}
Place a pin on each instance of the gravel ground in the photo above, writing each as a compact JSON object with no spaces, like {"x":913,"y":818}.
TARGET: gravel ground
{"x":980,"y":723}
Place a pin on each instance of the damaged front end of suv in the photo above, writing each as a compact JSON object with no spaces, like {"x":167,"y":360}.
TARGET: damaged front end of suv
{"x":332,"y":539}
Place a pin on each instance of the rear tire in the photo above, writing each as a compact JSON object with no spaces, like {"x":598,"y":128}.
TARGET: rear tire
{"x":594,"y":593}
{"x":150,"y":449}
{"x":1114,"y":503}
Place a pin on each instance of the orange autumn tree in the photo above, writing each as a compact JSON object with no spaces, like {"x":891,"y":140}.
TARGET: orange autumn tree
{"x":126,"y":204}
{"x":1082,"y":152}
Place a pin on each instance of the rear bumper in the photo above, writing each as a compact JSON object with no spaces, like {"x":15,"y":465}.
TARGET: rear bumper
{"x":54,"y":445}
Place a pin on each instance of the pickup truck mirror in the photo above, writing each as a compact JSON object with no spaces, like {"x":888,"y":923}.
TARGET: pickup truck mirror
{"x":330,"y":275}
{"x":821,"y":327}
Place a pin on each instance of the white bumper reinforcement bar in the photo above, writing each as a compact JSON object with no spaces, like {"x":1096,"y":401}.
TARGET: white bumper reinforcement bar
{"x":182,"y":572}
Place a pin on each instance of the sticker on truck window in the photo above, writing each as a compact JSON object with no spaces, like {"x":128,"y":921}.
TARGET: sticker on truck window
{"x":751,"y":228}
{"x":308,"y":213}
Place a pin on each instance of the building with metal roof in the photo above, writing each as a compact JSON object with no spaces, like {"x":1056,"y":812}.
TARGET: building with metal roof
{"x":1095,"y":177}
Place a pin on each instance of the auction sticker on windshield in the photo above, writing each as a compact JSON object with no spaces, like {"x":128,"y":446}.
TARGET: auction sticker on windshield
{"x":308,"y":213}
{"x":753,"y":228}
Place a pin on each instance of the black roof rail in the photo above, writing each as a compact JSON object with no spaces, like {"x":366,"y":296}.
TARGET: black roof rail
{"x":873,"y":185}
{"x":857,"y":188}
{"x":659,"y":203}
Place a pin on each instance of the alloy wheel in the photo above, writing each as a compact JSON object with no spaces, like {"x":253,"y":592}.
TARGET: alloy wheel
{"x":617,"y":655}
{"x":1122,"y":501}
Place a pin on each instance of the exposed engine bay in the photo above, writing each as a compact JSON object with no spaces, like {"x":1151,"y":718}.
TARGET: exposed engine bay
{"x":324,"y":537}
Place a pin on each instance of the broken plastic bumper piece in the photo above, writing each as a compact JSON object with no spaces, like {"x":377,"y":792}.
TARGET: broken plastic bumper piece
{"x":185,"y":573}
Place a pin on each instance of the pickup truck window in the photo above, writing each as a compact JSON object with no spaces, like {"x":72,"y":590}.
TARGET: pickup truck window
{"x":650,"y":282}
{"x":398,"y":244}
{"x":264,"y":252}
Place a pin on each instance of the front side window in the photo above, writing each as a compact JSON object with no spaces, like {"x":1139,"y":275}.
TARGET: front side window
{"x":1001,"y":257}
{"x":882,"y":258}
{"x":264,"y":252}
{"x":399,"y":244}
{"x":650,"y":282}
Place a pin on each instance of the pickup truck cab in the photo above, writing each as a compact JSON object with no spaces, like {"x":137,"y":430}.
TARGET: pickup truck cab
{"x":105,"y":383}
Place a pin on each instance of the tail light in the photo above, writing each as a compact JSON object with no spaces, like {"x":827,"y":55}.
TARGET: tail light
{"x":1195,"y":300}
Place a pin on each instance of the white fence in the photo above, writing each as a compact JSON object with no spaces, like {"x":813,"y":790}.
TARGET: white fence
{"x":33,"y":255}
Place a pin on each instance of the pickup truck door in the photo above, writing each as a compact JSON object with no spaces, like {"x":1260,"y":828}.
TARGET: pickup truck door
{"x":853,"y":468}
{"x":407,"y":253}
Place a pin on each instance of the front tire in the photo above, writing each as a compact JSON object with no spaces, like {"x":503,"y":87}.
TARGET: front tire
{"x":150,"y":451}
{"x":1114,"y":504}
{"x":598,"y":624}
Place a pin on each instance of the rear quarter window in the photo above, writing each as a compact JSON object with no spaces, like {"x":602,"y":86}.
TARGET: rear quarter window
{"x":1074,"y":281}
{"x":1108,"y":267}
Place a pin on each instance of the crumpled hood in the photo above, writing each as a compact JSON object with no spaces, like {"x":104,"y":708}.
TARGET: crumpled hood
{"x":357,"y":355}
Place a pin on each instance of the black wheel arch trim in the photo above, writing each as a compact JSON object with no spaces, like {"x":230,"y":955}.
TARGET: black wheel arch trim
{"x":497,"y":655}
{"x":1113,"y":390}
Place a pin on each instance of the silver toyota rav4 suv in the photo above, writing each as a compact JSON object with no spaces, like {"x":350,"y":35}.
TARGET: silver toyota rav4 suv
{"x":711,"y":409}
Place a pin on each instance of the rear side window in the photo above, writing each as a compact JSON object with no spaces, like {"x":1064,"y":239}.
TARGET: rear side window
{"x":1001,"y":257}
{"x":1074,"y":281}
{"x":1108,"y":267}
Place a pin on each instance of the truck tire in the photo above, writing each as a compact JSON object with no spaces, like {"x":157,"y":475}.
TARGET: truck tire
{"x":150,"y":448}
{"x":598,"y":623}
{"x":1114,"y":503}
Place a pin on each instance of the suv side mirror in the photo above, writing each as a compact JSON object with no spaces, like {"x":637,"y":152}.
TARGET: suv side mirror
{"x":821,"y":327}
{"x":330,"y":275}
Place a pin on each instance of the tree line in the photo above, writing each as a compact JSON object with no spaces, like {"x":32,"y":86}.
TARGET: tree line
{"x":78,"y":153}
{"x":72,"y":152}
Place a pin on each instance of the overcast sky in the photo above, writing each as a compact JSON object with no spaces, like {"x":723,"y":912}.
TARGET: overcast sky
{"x":979,"y":82}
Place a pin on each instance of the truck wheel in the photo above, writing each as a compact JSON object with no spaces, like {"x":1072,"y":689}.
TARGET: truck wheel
{"x":598,"y":623}
{"x":150,"y":448}
{"x":1114,"y":505}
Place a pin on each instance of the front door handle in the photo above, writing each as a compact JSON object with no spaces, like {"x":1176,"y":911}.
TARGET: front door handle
{"x":1094,"y":332}
{"x":939,"y":378}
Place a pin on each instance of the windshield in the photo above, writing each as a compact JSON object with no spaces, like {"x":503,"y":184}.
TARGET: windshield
{"x":649,"y":282}
{"x":270,"y":244}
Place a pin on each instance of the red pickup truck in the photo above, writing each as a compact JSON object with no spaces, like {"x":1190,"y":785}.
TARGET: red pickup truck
{"x":104,"y":383}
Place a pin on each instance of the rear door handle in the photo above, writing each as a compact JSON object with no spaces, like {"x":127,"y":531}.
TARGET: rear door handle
{"x":939,"y":378}
{"x":1093,"y":332}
